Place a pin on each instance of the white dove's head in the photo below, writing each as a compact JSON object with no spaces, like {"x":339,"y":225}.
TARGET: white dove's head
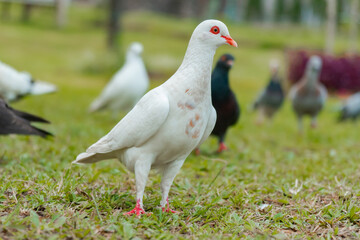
{"x":213,"y":32}
{"x":135,"y":50}
{"x":313,"y":67}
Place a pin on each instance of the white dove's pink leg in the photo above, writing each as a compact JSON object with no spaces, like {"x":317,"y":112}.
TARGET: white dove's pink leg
{"x":169,"y":173}
{"x":142,"y":169}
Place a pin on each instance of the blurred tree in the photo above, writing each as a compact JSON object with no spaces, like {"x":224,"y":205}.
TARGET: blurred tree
{"x":242,"y":6}
{"x":201,"y":6}
{"x":280,"y":15}
{"x":269,"y":11}
{"x":26,"y":11}
{"x":306,"y":12}
{"x":213,"y":8}
{"x":5,"y":9}
{"x":61,"y":12}
{"x":174,"y":7}
{"x":353,"y":30}
{"x":319,"y":7}
{"x":330,"y":26}
{"x":254,"y":11}
{"x":296,"y":11}
{"x":114,"y":25}
{"x":231,"y":10}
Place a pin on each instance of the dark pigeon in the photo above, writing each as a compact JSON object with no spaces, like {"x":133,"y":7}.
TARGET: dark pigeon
{"x":223,"y":99}
{"x":351,"y":108}
{"x":16,"y":122}
{"x":271,"y":98}
{"x":308,"y":96}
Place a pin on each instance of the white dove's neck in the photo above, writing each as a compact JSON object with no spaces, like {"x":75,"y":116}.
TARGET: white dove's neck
{"x":197,"y":64}
{"x":130,"y":57}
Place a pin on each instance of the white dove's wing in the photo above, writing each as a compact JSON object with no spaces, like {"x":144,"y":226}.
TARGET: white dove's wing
{"x":119,"y":92}
{"x":140,"y":124}
{"x":209,"y":127}
{"x":110,"y":91}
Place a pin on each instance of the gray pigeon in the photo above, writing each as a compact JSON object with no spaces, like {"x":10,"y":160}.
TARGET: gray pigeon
{"x":351,"y":108}
{"x":308,"y":96}
{"x":16,"y":122}
{"x":271,"y":98}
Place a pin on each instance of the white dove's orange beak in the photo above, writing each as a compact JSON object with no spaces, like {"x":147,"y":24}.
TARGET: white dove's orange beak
{"x":229,"y":40}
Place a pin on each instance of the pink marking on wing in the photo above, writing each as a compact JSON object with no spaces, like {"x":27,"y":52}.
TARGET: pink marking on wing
{"x":191,"y":123}
{"x":195,"y":134}
{"x":180,"y":105}
{"x":189,"y":106}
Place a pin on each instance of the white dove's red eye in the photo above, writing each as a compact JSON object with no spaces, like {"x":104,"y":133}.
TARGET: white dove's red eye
{"x":215,"y":30}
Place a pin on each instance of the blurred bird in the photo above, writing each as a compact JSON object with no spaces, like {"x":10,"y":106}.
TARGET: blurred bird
{"x":271,"y":98}
{"x":16,"y":122}
{"x":127,"y":86}
{"x":169,"y":121}
{"x":223,"y":99}
{"x":15,"y":85}
{"x":308,"y":96}
{"x":351,"y":108}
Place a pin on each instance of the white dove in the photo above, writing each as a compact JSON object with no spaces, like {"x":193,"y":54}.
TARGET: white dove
{"x":127,"y":86}
{"x":350,"y":108}
{"x":170,"y":121}
{"x":14,"y":84}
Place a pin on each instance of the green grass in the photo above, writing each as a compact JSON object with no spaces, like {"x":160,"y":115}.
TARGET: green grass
{"x":310,"y":183}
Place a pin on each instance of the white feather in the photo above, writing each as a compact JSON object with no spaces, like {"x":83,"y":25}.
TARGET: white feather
{"x":127,"y":86}
{"x":14,"y":84}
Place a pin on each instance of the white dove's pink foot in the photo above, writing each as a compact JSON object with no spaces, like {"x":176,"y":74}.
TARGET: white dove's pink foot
{"x":138,"y":210}
{"x":222,"y":147}
{"x":167,"y":208}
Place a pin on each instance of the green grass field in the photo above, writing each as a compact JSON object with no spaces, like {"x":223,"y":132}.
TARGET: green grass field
{"x":309,"y":183}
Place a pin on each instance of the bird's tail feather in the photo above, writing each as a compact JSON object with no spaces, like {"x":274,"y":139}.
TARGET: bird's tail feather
{"x":30,"y":117}
{"x":42,"y":133}
{"x":85,"y":158}
{"x":97,"y":105}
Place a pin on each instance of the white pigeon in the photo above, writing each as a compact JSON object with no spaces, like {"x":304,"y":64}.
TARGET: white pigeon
{"x":350,"y":108}
{"x":127,"y":86}
{"x":14,"y":84}
{"x":170,"y":121}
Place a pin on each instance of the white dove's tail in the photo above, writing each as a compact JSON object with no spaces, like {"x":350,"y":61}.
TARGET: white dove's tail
{"x":84,"y":158}
{"x":96,"y":105}
{"x":39,"y":87}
